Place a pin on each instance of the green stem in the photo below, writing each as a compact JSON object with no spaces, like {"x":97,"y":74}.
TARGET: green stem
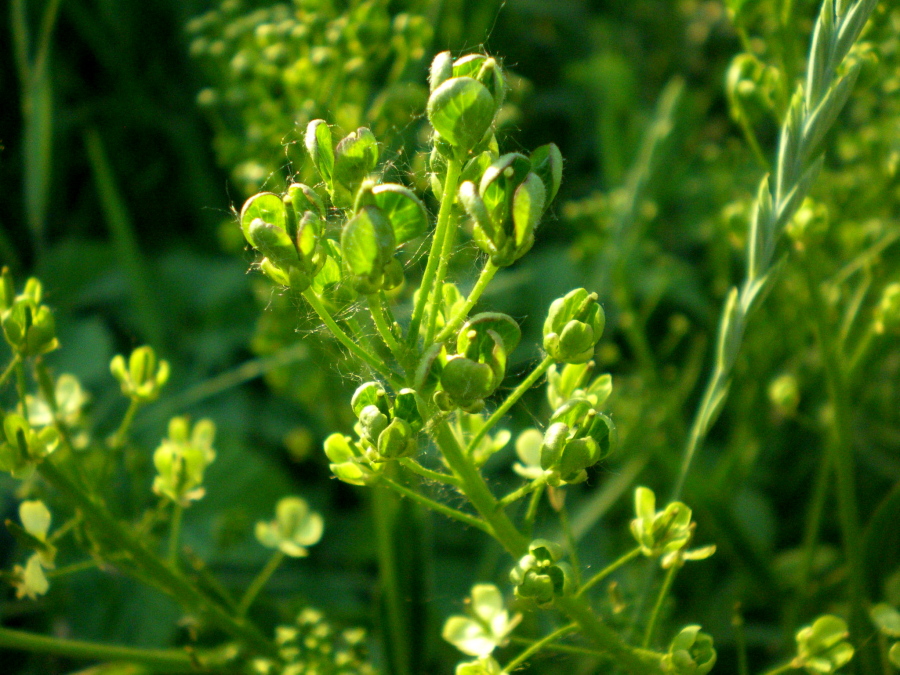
{"x":10,"y":369}
{"x":342,"y":337}
{"x":631,"y":658}
{"x":566,"y":649}
{"x":570,"y":543}
{"x":443,"y":509}
{"x":657,"y":608}
{"x":516,"y":495}
{"x":22,"y":387}
{"x":537,"y":646}
{"x":175,"y":533}
{"x":437,"y":476}
{"x":531,"y":513}
{"x":740,"y":640}
{"x":121,"y":435}
{"x":841,"y":452}
{"x":487,"y":273}
{"x":510,"y":401}
{"x":609,"y":569}
{"x":397,"y":631}
{"x":377,"y":311}
{"x":474,"y":487}
{"x":446,"y":253}
{"x":437,"y":246}
{"x":157,"y":660}
{"x":165,"y":577}
{"x":259,"y":582}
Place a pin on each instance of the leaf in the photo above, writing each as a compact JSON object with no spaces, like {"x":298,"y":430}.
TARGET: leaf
{"x":528,"y":206}
{"x":405,"y":211}
{"x":461,"y":111}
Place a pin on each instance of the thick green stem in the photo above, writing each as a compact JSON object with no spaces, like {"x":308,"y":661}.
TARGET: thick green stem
{"x":446,"y":253}
{"x":609,"y":569}
{"x":487,"y":273}
{"x":164,"y":576}
{"x":437,"y":246}
{"x":631,"y":658}
{"x":657,"y":607}
{"x":342,"y":337}
{"x":397,"y":630}
{"x":157,"y":660}
{"x":538,"y":646}
{"x":477,"y":491}
{"x":510,"y":401}
{"x":259,"y":582}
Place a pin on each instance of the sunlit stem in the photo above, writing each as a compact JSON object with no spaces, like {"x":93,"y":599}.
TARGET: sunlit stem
{"x":437,"y":246}
{"x":121,"y":436}
{"x":487,"y":273}
{"x":609,"y":569}
{"x":660,"y":599}
{"x":510,"y":401}
{"x":538,"y":646}
{"x":175,"y":533}
{"x":526,"y":489}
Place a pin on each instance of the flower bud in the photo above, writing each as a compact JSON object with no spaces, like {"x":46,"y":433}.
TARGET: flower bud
{"x":539,"y":576}
{"x":367,"y":247}
{"x":397,"y":440}
{"x":23,"y":446}
{"x":573,"y":327}
{"x":181,"y":460}
{"x":144,"y":377}
{"x":547,"y":163}
{"x":690,"y":653}
{"x":461,"y":110}
{"x":660,"y":532}
{"x":320,"y":146}
{"x":371,"y":423}
{"x":822,"y":648}
{"x":370,"y":393}
{"x":294,"y":529}
{"x":355,"y":157}
{"x":347,"y":463}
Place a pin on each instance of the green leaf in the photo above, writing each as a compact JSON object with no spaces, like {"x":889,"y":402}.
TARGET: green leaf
{"x":320,"y":146}
{"x":461,"y":111}
{"x":266,"y":206}
{"x":547,"y":163}
{"x":405,"y":211}
{"x":367,"y":242}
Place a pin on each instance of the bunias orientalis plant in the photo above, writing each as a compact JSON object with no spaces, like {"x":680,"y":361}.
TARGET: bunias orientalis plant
{"x":341,"y":243}
{"x":71,"y":518}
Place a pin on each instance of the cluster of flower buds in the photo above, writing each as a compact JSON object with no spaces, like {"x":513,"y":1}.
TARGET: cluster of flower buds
{"x":573,"y":327}
{"x":287,"y":231}
{"x":466,"y":95}
{"x":509,"y":200}
{"x":754,"y":89}
{"x":22,"y":446}
{"x":665,"y":533}
{"x":483,"y":346}
{"x":28,"y":325}
{"x":578,"y":437}
{"x":144,"y":376}
{"x":294,"y":529}
{"x":182,"y":458}
{"x":344,"y":167}
{"x":539,"y":574}
{"x":690,"y":653}
{"x":822,"y":648}
{"x":387,"y":430}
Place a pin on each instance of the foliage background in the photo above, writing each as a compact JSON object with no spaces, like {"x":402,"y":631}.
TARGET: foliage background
{"x":118,"y":204}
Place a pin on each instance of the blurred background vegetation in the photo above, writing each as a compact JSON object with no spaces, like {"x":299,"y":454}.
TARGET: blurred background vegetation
{"x":130,"y":132}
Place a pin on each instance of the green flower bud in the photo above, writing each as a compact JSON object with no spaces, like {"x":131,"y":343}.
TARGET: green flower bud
{"x":461,"y":110}
{"x":370,"y":393}
{"x":367,"y":247}
{"x":410,"y":407}
{"x":822,"y":648}
{"x":294,"y":529}
{"x":483,"y":666}
{"x":479,"y":367}
{"x":660,"y":532}
{"x":181,"y":460}
{"x":265,"y":207}
{"x":144,"y":377}
{"x":23,"y":446}
{"x":347,"y":463}
{"x":407,"y":213}
{"x":371,"y":423}
{"x":539,"y":576}
{"x":28,"y":326}
{"x":355,"y":157}
{"x":467,"y":382}
{"x":690,"y":653}
{"x":397,"y":440}
{"x":573,"y":327}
